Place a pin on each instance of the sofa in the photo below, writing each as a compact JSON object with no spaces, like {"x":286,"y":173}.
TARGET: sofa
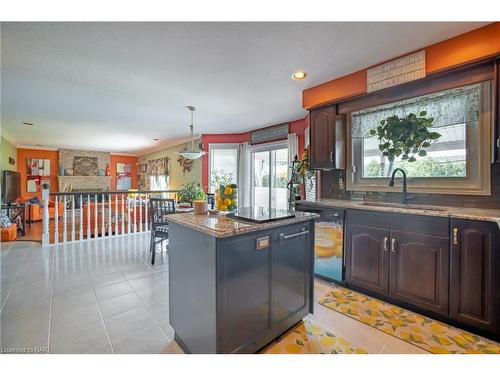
{"x":36,"y":211}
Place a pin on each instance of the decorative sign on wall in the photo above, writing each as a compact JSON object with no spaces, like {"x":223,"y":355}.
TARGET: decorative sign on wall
{"x":405,"y":69}
{"x":273,"y":133}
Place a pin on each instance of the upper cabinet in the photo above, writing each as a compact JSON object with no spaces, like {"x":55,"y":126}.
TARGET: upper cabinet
{"x":327,"y":139}
{"x":497,"y":111}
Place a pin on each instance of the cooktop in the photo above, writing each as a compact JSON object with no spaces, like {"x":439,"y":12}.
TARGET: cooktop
{"x":261,"y":214}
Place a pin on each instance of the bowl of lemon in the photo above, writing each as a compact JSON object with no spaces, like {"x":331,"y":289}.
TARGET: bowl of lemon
{"x":226,"y":198}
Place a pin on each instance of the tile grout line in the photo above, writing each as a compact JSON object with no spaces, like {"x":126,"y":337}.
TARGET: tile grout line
{"x":99,"y":308}
{"x":14,"y":281}
{"x":51,"y":298}
{"x":150,"y":314}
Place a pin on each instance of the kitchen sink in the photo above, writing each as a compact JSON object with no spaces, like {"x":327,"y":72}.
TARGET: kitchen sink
{"x":405,"y":206}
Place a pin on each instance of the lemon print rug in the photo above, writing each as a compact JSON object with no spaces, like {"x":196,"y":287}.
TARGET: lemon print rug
{"x":426,"y":333}
{"x":310,"y":338}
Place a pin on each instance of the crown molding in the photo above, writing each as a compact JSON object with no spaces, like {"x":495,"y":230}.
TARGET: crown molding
{"x":11,"y":140}
{"x":123,"y":154}
{"x":31,"y":147}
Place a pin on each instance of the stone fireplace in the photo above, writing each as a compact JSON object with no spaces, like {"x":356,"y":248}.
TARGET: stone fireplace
{"x":84,"y":183}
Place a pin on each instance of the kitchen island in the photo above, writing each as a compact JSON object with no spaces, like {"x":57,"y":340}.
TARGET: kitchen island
{"x":236,"y":285}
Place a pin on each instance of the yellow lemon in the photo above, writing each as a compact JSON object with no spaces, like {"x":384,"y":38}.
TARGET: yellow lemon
{"x":227,"y":202}
{"x":293,"y":348}
{"x":223,"y":207}
{"x":228,"y":191}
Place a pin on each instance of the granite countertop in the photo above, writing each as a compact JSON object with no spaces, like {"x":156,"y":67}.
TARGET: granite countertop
{"x":221,"y":226}
{"x":482,"y":214}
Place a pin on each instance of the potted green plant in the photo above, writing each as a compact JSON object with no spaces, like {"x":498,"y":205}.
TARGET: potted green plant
{"x":303,"y":168}
{"x":190,"y":192}
{"x":405,"y":136}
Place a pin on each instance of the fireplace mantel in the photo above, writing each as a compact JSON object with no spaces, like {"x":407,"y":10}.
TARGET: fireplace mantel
{"x":99,"y":183}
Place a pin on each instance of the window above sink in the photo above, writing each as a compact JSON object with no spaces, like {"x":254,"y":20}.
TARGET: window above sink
{"x":457,"y":163}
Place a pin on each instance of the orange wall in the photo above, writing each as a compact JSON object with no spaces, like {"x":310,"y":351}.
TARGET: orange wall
{"x":23,"y":154}
{"x":469,"y":47}
{"x":22,"y":167}
{"x":123,"y":159}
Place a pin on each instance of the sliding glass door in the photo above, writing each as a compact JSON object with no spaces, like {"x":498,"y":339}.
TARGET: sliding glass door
{"x":269,"y":175}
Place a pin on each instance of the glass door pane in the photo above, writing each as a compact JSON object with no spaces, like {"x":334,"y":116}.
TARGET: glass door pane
{"x":270,"y":174}
{"x":261,"y":174}
{"x":279,"y":192}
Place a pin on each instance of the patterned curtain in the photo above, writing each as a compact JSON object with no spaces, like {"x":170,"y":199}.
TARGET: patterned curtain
{"x":456,"y":106}
{"x":155,"y":167}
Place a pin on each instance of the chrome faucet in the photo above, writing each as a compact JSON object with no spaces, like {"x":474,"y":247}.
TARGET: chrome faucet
{"x":406,"y":197}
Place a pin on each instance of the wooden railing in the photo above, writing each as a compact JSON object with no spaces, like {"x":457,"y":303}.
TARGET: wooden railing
{"x":82,"y":216}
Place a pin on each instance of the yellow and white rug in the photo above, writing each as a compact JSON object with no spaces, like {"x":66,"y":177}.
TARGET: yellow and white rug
{"x":426,"y":333}
{"x":310,"y":338}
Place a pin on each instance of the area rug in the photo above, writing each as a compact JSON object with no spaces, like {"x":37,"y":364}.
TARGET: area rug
{"x":426,"y":333}
{"x":310,"y":338}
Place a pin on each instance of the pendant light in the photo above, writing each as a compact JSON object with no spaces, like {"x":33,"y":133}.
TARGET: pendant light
{"x":190,"y":152}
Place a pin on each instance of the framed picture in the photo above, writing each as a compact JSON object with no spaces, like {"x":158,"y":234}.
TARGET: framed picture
{"x":120,"y":168}
{"x":143,"y":168}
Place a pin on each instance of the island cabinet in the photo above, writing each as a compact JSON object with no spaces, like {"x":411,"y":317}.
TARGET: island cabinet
{"x":236,"y":294}
{"x":327,"y":139}
{"x":404,"y":257}
{"x":475,"y":274}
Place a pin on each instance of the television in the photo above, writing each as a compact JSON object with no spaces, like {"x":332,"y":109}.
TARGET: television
{"x":11,"y":186}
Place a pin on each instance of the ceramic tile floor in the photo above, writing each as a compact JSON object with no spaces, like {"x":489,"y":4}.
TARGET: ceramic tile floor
{"x":104,"y":297}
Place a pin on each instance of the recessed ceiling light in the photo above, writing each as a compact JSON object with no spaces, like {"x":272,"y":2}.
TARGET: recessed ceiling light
{"x":298,"y":76}
{"x":28,"y":123}
{"x":156,"y":139}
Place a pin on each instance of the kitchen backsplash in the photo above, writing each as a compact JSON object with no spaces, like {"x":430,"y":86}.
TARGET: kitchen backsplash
{"x":333,"y":186}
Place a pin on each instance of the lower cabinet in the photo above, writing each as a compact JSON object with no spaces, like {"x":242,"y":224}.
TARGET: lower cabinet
{"x":417,"y":261}
{"x":419,"y":270}
{"x":475,"y":274}
{"x":264,"y":285}
{"x":367,"y":257}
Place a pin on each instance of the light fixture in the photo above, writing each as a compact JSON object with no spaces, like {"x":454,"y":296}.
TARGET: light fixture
{"x":190,"y":152}
{"x":156,"y":139}
{"x":28,"y":123}
{"x":298,"y":76}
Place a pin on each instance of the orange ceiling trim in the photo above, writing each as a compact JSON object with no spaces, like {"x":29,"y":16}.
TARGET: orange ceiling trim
{"x":465,"y":48}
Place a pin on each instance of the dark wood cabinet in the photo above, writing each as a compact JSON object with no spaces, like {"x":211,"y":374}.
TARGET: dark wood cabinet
{"x":419,"y":270}
{"x":327,"y":139}
{"x":475,"y":274}
{"x":367,"y":257}
{"x":496,"y":96}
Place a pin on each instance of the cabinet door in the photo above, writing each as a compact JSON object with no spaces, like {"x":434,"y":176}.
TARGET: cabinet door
{"x":243,"y":290}
{"x":367,"y":257}
{"x":322,"y":138}
{"x":497,"y":112}
{"x":290,"y":274}
{"x":419,"y":270}
{"x":475,"y":270}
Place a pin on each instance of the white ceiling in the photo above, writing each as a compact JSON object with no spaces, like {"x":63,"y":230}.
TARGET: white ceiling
{"x":116,"y":86}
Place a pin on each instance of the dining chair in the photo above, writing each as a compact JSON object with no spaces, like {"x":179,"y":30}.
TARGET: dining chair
{"x":211,"y":200}
{"x":159,"y":209}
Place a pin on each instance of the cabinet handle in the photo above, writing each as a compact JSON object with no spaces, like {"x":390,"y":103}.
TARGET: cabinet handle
{"x":386,"y":239}
{"x":332,"y":154}
{"x":393,"y":245}
{"x":455,"y":236}
{"x":286,"y":237}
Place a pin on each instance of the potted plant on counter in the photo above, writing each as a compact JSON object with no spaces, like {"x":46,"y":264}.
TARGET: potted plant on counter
{"x":191,"y":192}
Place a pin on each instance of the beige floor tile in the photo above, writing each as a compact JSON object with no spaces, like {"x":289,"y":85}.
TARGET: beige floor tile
{"x":396,"y":346}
